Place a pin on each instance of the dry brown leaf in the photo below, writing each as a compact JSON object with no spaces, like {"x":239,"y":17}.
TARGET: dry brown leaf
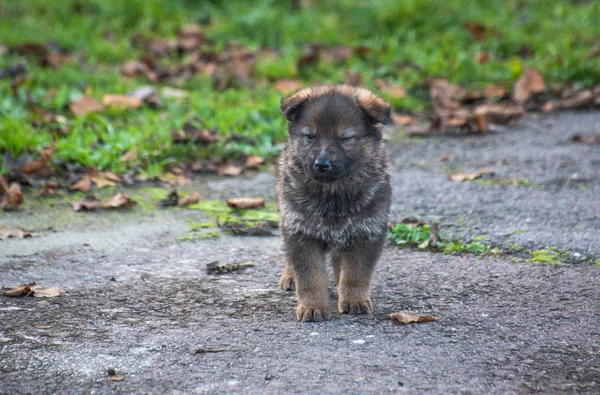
{"x":500,"y":113}
{"x":478,"y":123}
{"x":413,"y":222}
{"x":118,"y":201}
{"x":115,"y":378}
{"x":244,"y":203}
{"x":192,"y":198}
{"x":13,"y":198}
{"x":174,"y":179}
{"x":395,"y":91}
{"x":17,"y":233}
{"x":101,"y":181}
{"x":469,"y":176}
{"x":446,"y":93}
{"x":130,"y":155}
{"x":531,"y":82}
{"x":476,"y":29}
{"x":35,"y":290}
{"x":443,"y":158}
{"x":122,"y":101}
{"x":402,"y":119}
{"x":38,"y":165}
{"x":41,"y":292}
{"x":288,"y":86}
{"x":548,"y":107}
{"x":21,"y":290}
{"x":83,"y":185}
{"x":254,"y":162}
{"x":190,"y":38}
{"x":3,"y":185}
{"x":578,"y":99}
{"x":494,"y":92}
{"x":482,"y":57}
{"x":109,"y":175}
{"x":48,"y":188}
{"x":406,"y":317}
{"x":89,"y":202}
{"x":229,"y":169}
{"x":192,"y":133}
{"x":85,"y":105}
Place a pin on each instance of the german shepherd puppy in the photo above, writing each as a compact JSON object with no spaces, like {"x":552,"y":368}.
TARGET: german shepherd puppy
{"x":334,"y":196}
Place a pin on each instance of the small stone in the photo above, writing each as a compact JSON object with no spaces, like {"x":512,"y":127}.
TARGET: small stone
{"x":358,"y":341}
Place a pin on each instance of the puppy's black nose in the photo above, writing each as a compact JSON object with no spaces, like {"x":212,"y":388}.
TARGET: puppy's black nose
{"x":322,"y":165}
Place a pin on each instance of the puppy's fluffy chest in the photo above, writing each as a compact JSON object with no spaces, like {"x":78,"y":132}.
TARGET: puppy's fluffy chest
{"x":337,"y":218}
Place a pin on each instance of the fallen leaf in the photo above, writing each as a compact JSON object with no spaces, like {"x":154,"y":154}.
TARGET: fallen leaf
{"x":354,"y":79}
{"x":406,"y":317}
{"x":32,"y":289}
{"x":585,"y":139}
{"x":478,"y":124}
{"x":118,"y":201}
{"x":130,"y":155}
{"x":101,"y":181}
{"x":494,"y":92}
{"x":469,"y":176}
{"x":443,"y":158}
{"x":21,"y":290}
{"x":548,"y":107}
{"x":254,"y":162}
{"x":17,"y":233}
{"x":171,"y":200}
{"x":38,"y":165}
{"x":445,"y":93}
{"x":89,"y":202}
{"x":393,"y":90}
{"x":502,"y":114}
{"x":189,"y":199}
{"x":244,"y":203}
{"x":227,"y":267}
{"x":147,"y":94}
{"x":578,"y":99}
{"x":531,"y":82}
{"x":48,"y":188}
{"x":13,"y":198}
{"x":115,"y":378}
{"x":288,"y":86}
{"x":191,"y":133}
{"x":174,"y":179}
{"x":434,"y":234}
{"x":83,"y":185}
{"x":229,"y":169}
{"x":476,"y":29}
{"x":40,"y":292}
{"x":402,"y":119}
{"x":190,"y":38}
{"x":122,"y":101}
{"x":414,"y":222}
{"x":109,"y":175}
{"x":482,"y":57}
{"x":85,"y":105}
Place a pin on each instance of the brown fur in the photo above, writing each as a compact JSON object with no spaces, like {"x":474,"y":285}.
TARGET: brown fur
{"x":343,"y":210}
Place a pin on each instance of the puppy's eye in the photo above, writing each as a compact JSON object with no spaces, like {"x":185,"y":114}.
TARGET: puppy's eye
{"x":309,"y":137}
{"x":346,"y":138}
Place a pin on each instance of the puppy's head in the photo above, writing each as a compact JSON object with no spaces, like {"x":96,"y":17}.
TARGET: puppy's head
{"x":334,"y":130}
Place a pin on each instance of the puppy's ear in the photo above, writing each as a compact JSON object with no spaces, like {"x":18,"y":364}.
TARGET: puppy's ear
{"x":377,"y":109}
{"x":291,"y":106}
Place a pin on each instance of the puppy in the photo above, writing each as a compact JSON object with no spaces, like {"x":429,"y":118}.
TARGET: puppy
{"x":333,"y":195}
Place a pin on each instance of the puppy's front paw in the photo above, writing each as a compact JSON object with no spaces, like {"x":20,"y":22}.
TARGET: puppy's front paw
{"x":286,"y":282}
{"x":311,"y":313}
{"x":355,"y":307}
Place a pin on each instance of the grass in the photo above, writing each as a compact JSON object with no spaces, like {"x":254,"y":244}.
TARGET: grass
{"x":550,"y":256}
{"x":409,"y":42}
{"x":420,"y":237}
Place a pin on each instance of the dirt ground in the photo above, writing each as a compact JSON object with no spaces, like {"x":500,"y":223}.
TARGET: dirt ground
{"x":140,"y":302}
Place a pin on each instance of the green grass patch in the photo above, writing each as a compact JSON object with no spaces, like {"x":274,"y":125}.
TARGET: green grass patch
{"x":550,"y":256}
{"x":201,"y":235}
{"x":420,"y":237}
{"x":514,"y":182}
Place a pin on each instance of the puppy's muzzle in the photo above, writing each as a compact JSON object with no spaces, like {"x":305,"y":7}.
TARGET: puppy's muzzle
{"x":323,"y":163}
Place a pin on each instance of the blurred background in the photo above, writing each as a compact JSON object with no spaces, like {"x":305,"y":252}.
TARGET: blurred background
{"x":156,"y":84}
